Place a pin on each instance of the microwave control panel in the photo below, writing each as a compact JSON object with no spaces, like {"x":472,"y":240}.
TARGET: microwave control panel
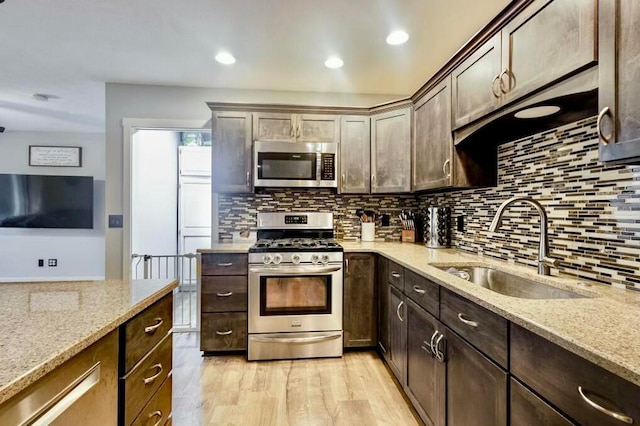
{"x":328,"y":167}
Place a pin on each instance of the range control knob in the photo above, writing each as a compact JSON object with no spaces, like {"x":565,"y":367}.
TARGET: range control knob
{"x":295,"y":259}
{"x":315,"y":259}
{"x":266,"y":259}
{"x":277,"y":258}
{"x":325,"y":259}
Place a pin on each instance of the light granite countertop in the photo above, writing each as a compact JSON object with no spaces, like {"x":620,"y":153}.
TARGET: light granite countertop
{"x":603,"y":327}
{"x":46,"y":323}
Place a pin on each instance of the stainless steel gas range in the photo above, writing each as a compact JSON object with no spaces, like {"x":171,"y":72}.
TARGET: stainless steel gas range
{"x":295,"y":288}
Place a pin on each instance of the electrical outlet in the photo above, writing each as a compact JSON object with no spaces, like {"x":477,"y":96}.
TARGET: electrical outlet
{"x":53,"y":262}
{"x":40,"y":263}
{"x":115,"y":221}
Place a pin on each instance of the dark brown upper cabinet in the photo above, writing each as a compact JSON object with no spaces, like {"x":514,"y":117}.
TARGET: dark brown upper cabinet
{"x":355,"y":154}
{"x":231,"y":151}
{"x":391,"y":151}
{"x":619,"y":67}
{"x":287,"y":127}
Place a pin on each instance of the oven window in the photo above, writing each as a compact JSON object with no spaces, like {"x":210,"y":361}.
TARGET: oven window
{"x":299,"y":295}
{"x":286,"y":166}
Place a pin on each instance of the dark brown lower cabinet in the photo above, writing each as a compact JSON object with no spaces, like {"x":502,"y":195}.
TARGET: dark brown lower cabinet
{"x":476,"y":387}
{"x":383,"y":306}
{"x":223,"y":332}
{"x":426,"y":376}
{"x":360,"y":310}
{"x":529,"y":410}
{"x":397,"y":350}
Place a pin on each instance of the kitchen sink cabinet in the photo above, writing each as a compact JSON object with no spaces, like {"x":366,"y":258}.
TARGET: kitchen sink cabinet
{"x":382,"y":292}
{"x":426,"y":375}
{"x":391,"y":151}
{"x":397,"y":351}
{"x":527,"y":409}
{"x":360,"y":310}
{"x":288,"y":127}
{"x":231,"y":151}
{"x":355,"y":154}
{"x":619,"y":85}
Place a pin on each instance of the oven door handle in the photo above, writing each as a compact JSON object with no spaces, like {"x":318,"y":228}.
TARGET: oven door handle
{"x":299,"y":340}
{"x":295,"y":271}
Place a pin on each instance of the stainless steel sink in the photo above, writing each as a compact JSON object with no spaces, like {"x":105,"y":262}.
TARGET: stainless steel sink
{"x":508,"y":284}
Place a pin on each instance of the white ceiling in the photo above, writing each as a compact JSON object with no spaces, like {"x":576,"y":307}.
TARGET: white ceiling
{"x":70,"y":48}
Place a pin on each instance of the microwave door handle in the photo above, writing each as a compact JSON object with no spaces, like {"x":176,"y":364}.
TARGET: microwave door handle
{"x":294,"y":271}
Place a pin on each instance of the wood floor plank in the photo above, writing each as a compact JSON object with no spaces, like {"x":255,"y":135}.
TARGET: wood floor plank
{"x":356,"y":389}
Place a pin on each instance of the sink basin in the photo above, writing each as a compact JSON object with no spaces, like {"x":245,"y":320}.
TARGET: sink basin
{"x":508,"y":284}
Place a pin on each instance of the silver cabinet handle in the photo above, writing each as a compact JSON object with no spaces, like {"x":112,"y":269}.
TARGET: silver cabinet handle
{"x":466,"y":321}
{"x":433,"y":336}
{"x":151,"y":379}
{"x":224,"y":333}
{"x":447,"y":170}
{"x":373,"y":180}
{"x":501,"y":81}
{"x":151,"y":328}
{"x":346,"y":266}
{"x":343,"y":178}
{"x":395,"y":274}
{"x":298,"y":131}
{"x":438,"y":354}
{"x":419,"y":290}
{"x":615,"y":414}
{"x":398,"y":311}
{"x":493,"y":86}
{"x":227,"y":294}
{"x":291,"y":130}
{"x":158,"y":414}
{"x":604,"y":139}
{"x":248,"y":178}
{"x":225,"y":265}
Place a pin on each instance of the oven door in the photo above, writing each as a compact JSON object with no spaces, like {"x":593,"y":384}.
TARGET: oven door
{"x":295,"y":298}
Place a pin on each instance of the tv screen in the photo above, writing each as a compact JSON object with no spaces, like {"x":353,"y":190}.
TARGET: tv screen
{"x":37,"y":201}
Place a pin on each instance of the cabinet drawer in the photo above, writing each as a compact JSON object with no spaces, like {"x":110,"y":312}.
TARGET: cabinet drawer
{"x":396,"y":275}
{"x":224,"y":332}
{"x":529,"y":410}
{"x":565,"y":374}
{"x":224,"y":264}
{"x":424,"y":292}
{"x":224,"y":293}
{"x":145,"y":330}
{"x":158,"y":410}
{"x":145,"y":379}
{"x":480,"y":327}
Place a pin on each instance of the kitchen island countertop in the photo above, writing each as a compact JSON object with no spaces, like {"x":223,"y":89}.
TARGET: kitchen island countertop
{"x":45,"y":324}
{"x":603,"y":327}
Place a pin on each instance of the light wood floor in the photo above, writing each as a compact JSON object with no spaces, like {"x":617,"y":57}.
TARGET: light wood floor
{"x":353,"y":390}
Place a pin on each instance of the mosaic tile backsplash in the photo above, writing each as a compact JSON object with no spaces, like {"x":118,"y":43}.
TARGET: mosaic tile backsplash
{"x":593,"y":209}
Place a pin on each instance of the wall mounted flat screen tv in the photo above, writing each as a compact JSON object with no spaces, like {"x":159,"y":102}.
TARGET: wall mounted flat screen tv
{"x":38,"y":201}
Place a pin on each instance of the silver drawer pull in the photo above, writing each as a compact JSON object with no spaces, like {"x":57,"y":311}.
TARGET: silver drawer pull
{"x":152,"y":328}
{"x":230,"y":293}
{"x":156,"y":414}
{"x":395,"y":274}
{"x":398,"y":311}
{"x":151,"y":379}
{"x":418,"y":290}
{"x":225,"y":265}
{"x":224,"y":333}
{"x":616,"y":415}
{"x":466,"y":321}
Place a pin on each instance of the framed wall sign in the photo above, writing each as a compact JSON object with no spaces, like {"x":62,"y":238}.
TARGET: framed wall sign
{"x":55,"y":156}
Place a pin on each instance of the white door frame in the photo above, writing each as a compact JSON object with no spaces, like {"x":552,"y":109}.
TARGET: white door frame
{"x":129,"y":127}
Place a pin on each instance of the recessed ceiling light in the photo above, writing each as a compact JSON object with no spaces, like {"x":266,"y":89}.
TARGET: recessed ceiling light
{"x":333,"y":62}
{"x":537,"y":112}
{"x":225,"y":58}
{"x":397,"y":37}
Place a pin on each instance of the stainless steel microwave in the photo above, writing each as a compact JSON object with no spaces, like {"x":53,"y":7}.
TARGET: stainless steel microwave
{"x":295,"y":164}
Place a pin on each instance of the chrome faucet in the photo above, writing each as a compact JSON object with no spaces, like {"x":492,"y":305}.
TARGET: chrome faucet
{"x":544,"y":261}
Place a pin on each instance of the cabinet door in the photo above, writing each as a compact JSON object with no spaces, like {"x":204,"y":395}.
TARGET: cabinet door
{"x":383,"y":306}
{"x":391,"y":151}
{"x":549,"y":40}
{"x":433,"y":139}
{"x":426,"y":376}
{"x":318,"y":128}
{"x":619,"y":73}
{"x":360,"y":311}
{"x":529,"y":410}
{"x":273,"y":126}
{"x":476,"y":387}
{"x":231,"y":152}
{"x":355,"y":155}
{"x":397,"y":334}
{"x":476,"y":91}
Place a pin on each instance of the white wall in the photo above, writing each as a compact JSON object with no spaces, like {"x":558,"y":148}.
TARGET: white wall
{"x":80,"y":252}
{"x":181,"y":103}
{"x":154,"y":208}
